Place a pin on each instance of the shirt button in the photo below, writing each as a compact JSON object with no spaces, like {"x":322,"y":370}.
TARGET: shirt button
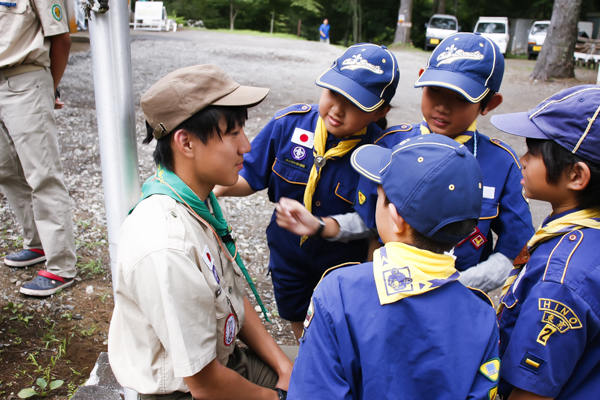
{"x":333,"y":145}
{"x":318,"y":203}
{"x":230,"y":289}
{"x":173,"y":214}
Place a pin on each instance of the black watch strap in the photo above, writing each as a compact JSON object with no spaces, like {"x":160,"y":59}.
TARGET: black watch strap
{"x":321,"y":226}
{"x":282,"y":394}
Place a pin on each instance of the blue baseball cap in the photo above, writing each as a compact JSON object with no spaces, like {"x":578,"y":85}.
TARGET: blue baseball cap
{"x":431,"y":179}
{"x":570,"y":118}
{"x":467,"y":63}
{"x":366,"y":74}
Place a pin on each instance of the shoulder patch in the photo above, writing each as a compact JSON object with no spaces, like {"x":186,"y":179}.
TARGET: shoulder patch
{"x":504,"y":146}
{"x":532,"y":362}
{"x":493,"y":393}
{"x":491,"y":369}
{"x":57,"y":12}
{"x":300,"y":108}
{"x":482,"y":295}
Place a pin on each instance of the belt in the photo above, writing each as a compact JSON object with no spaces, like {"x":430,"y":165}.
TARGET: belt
{"x":19,"y":69}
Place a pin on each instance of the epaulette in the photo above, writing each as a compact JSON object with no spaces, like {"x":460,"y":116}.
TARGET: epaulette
{"x":394,"y":129}
{"x":503,"y":145}
{"x":333,"y":268}
{"x":293,"y":109}
{"x":482,"y":295}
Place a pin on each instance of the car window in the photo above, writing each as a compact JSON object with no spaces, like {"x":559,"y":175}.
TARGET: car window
{"x":443,"y":23}
{"x":491,"y":27}
{"x":539,"y":28}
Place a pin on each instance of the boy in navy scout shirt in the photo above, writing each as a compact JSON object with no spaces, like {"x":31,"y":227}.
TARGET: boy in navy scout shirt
{"x":303,"y":156}
{"x":402,"y":326}
{"x":549,"y":313}
{"x":460,"y":82}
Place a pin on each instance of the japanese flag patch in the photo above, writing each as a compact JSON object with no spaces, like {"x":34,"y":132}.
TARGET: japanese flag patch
{"x":208,"y":259}
{"x":309,"y":314}
{"x":303,"y":137}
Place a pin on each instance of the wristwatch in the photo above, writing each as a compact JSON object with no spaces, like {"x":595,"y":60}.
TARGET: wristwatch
{"x":321,"y":226}
{"x":282,"y":394}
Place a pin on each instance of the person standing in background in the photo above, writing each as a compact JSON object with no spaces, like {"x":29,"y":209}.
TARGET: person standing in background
{"x":34,"y":50}
{"x":324,"y":31}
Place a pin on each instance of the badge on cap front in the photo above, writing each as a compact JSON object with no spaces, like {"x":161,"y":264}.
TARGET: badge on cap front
{"x":303,"y":137}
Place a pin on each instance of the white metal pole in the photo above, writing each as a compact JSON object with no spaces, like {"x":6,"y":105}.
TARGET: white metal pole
{"x":113,"y":87}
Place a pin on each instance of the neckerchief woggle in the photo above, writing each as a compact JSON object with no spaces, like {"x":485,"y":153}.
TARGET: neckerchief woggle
{"x":402,"y":271}
{"x":321,"y":155}
{"x":471,"y":132}
{"x":167,"y":183}
{"x":587,"y":218}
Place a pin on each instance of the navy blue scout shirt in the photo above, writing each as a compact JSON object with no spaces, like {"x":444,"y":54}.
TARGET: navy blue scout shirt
{"x":280,"y":160}
{"x":550,"y":325}
{"x":427,"y":346}
{"x":504,"y":211}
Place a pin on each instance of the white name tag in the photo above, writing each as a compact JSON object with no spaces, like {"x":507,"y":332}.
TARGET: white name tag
{"x":489,"y":192}
{"x":303,"y":137}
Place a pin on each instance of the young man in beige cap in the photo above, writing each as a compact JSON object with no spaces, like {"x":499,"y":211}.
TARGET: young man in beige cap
{"x":34,"y":50}
{"x":179,"y":279}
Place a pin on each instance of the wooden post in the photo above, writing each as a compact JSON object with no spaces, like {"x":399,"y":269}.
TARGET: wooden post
{"x":299,"y":24}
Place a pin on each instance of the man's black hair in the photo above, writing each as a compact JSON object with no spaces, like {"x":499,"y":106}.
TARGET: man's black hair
{"x":204,"y":125}
{"x":486,"y":100}
{"x":458,"y":228}
{"x":558,"y":160}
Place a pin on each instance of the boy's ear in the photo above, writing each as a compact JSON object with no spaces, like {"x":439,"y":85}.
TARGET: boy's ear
{"x":400,"y":223}
{"x":494,"y":102}
{"x":380,"y":113}
{"x":578,"y":177}
{"x":181,"y":143}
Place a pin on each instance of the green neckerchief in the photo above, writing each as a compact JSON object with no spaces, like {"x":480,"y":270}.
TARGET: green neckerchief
{"x":167,"y":183}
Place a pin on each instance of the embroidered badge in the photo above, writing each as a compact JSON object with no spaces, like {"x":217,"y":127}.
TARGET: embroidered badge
{"x":299,"y":153}
{"x":491,"y":369}
{"x":361,"y":198}
{"x":558,"y":317}
{"x":453,"y":54}
{"x":357,"y":62}
{"x":303,"y":138}
{"x":397,"y":280}
{"x":493,"y":393}
{"x":229,"y":334}
{"x":208,"y":259}
{"x":57,"y":12}
{"x":476,"y":238}
{"x":532,"y":363}
{"x":309,"y":314}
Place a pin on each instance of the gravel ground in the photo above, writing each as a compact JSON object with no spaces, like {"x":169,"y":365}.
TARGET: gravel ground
{"x":288,"y":68}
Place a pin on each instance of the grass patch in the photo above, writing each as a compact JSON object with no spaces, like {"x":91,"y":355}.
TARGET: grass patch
{"x":247,"y":32}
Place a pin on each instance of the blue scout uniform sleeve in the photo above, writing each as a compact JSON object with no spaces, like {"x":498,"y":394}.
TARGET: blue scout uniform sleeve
{"x":318,"y":371}
{"x":548,"y":339}
{"x":485,"y":385}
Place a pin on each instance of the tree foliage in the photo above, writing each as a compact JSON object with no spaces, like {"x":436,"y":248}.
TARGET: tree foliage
{"x":354,"y":20}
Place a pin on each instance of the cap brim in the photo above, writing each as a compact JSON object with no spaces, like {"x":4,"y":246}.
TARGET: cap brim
{"x":243,"y":96}
{"x":359,"y":96}
{"x":471,"y":90}
{"x":367,"y":161}
{"x":518,"y":124}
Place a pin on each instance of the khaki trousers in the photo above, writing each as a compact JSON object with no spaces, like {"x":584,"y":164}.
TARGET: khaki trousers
{"x":31,"y":175}
{"x":244,"y":362}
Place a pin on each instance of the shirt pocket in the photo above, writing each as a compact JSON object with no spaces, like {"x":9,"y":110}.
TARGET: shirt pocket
{"x":291,"y":173}
{"x":489,"y":209}
{"x":21,"y":8}
{"x":345,"y":192}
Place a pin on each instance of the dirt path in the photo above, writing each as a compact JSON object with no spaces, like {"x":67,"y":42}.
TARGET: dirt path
{"x":67,"y":331}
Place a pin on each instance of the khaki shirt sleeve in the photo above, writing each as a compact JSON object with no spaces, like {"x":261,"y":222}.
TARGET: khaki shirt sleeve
{"x":174,"y":296}
{"x":52,"y":15}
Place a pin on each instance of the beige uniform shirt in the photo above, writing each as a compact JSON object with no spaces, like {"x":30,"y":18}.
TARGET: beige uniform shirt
{"x":24,"y":30}
{"x":174,"y":313}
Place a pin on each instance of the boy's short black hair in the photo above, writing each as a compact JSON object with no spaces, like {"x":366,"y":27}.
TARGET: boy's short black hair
{"x":204,"y":125}
{"x":486,"y":100}
{"x":458,"y":228}
{"x":557,"y":160}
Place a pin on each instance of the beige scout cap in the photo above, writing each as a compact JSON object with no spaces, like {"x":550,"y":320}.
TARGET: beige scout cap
{"x":184,"y":92}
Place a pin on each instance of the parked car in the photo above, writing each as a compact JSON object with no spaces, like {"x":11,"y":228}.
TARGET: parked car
{"x":536,"y":37}
{"x":494,"y":28}
{"x":440,"y":26}
{"x":539,"y":29}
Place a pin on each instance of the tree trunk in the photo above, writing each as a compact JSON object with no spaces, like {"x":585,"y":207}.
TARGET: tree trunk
{"x":272,"y":20}
{"x":354,"y":21}
{"x":403,"y":32}
{"x":232,"y":14}
{"x":347,"y":33}
{"x":359,"y":22}
{"x":556,"y":58}
{"x":441,"y":8}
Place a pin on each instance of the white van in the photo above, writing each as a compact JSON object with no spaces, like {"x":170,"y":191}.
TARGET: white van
{"x":539,"y":29}
{"x":494,"y":28}
{"x":440,"y":26}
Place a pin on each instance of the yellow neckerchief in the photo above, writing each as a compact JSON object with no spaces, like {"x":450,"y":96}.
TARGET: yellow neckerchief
{"x":462,"y":139}
{"x":340,"y":150}
{"x":402,"y":271}
{"x":560,"y":226}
